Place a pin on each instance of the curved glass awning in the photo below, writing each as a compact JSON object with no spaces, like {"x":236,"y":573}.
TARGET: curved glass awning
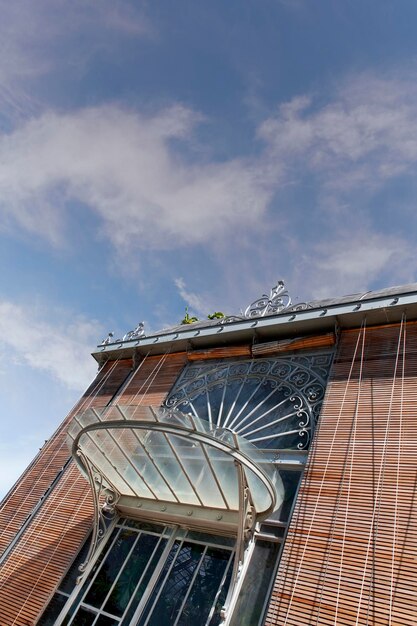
{"x":163,"y":460}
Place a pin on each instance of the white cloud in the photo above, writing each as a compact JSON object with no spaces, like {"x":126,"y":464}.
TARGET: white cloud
{"x":122,"y":166}
{"x":357,"y":258}
{"x":366,"y":133}
{"x":38,"y":37}
{"x":197,"y":302}
{"x":148,"y":187}
{"x":58,"y":348}
{"x":351,"y":261}
{"x":132,"y":171}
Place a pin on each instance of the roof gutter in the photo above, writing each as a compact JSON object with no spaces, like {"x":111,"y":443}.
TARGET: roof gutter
{"x":378,"y":310}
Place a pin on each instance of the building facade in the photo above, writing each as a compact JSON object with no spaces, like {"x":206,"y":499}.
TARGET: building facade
{"x":257,"y":469}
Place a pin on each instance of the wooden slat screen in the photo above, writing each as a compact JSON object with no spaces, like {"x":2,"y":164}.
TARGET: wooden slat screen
{"x":219,"y":353}
{"x":153,"y":379}
{"x":313,"y":342}
{"x":38,"y":561}
{"x":41,"y":557}
{"x":34,"y":482}
{"x":351,"y":553}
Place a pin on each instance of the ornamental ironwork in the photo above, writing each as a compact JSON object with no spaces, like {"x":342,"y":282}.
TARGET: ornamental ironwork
{"x":278,"y":300}
{"x":273,"y":403}
{"x":104,"y":500}
{"x":136,"y":333}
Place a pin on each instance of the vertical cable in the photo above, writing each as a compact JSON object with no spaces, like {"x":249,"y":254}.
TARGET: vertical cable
{"x":341,"y":485}
{"x":294,"y":586}
{"x":397,"y":486}
{"x":150,"y":379}
{"x":89,"y":400}
{"x":377,"y":502}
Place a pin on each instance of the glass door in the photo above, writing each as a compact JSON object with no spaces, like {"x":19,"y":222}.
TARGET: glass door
{"x":147,"y":575}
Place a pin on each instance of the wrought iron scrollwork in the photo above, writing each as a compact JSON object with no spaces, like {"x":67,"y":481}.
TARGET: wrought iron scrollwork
{"x":278,"y":300}
{"x":273,"y":403}
{"x":300,"y":306}
{"x":105,"y":501}
{"x":136,"y":333}
{"x":107,"y":340}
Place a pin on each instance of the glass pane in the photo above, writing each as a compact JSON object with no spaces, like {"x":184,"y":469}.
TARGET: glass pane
{"x":53,"y":610}
{"x":146,"y":526}
{"x":106,"y":621}
{"x":195,"y":535}
{"x":226,"y":474}
{"x":252,"y":597}
{"x":221,"y":597}
{"x":90,"y":576}
{"x":144,"y":582}
{"x":204,"y":590}
{"x":84,"y":617}
{"x":276,"y":398}
{"x":176,"y":585}
{"x":150,"y":467}
{"x":68,"y":583}
{"x":165,"y":569}
{"x":290,"y":480}
{"x":241,"y":403}
{"x":116,"y":452}
{"x":131,"y":574}
{"x":160,"y":450}
{"x":198,"y":470}
{"x":110,"y":567}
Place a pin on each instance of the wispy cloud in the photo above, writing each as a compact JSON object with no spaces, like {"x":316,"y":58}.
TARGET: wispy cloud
{"x":122,"y":166}
{"x":29,"y":336}
{"x":35,"y":38}
{"x":365,"y":134}
{"x":354,"y":260}
{"x":197,"y":302}
{"x":149,"y":188}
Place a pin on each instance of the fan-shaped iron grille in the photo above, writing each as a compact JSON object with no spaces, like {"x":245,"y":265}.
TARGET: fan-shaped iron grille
{"x":273,"y":403}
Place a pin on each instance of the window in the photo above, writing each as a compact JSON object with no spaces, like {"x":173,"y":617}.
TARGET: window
{"x":148,"y":574}
{"x":273,"y":403}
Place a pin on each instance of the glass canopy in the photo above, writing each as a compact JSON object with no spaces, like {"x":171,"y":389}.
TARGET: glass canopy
{"x":159,"y":455}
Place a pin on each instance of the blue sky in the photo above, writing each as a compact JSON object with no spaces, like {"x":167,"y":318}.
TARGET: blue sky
{"x":155,"y":155}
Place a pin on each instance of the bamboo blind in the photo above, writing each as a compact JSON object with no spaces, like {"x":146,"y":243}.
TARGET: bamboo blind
{"x":313,"y":342}
{"x":220,"y":353}
{"x":37,"y":563}
{"x":351,"y":553}
{"x":34,"y":482}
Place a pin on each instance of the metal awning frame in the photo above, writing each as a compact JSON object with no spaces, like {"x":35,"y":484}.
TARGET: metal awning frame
{"x":104,"y":502}
{"x":103,"y":489}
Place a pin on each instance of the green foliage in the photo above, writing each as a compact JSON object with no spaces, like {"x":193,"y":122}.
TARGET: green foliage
{"x":188,"y":319}
{"x":217,"y":315}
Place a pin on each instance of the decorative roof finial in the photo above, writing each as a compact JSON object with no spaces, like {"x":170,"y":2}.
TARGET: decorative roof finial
{"x":277,"y":301}
{"x":137,"y":333}
{"x":107,"y":340}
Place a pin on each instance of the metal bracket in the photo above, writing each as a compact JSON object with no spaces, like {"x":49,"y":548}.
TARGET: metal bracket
{"x":104,"y":512}
{"x":245,"y":533}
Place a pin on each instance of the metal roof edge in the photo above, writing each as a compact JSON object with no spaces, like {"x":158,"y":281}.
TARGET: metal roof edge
{"x":378,"y":310}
